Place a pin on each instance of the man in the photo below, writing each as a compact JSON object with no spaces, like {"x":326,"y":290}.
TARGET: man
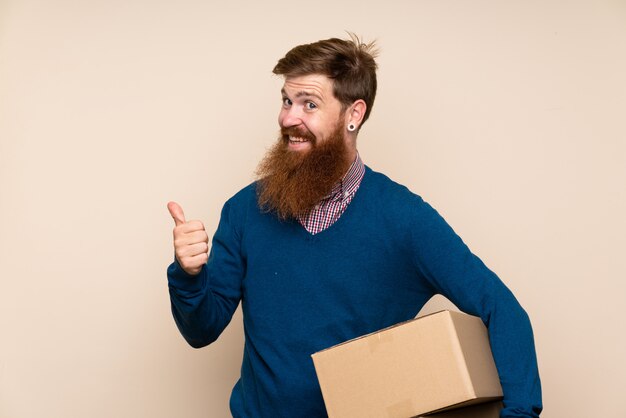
{"x":322,"y":249}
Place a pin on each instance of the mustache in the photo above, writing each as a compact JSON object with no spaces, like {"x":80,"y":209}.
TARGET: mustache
{"x":296,"y":132}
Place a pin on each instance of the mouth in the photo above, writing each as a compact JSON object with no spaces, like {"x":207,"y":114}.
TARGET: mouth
{"x":297,"y":140}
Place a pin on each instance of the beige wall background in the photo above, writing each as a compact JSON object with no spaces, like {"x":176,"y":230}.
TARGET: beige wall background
{"x":507,"y":116}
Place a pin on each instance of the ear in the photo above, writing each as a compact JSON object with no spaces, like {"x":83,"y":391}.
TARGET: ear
{"x":356,"y":113}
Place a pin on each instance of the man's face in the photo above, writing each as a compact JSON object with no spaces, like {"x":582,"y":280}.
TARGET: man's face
{"x":312,"y":153}
{"x":310,"y":112}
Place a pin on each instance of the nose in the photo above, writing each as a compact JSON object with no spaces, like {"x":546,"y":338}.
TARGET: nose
{"x":289,"y":117}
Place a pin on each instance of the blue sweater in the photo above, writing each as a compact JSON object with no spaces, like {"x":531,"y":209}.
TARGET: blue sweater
{"x":387,"y":255}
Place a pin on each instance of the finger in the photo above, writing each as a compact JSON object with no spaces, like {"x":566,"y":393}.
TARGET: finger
{"x":190,"y":233}
{"x":193,"y":250}
{"x":177,"y":213}
{"x":191,"y":226}
{"x":185,"y":247}
{"x":193,"y":265}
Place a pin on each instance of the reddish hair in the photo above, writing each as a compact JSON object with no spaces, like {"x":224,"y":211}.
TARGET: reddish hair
{"x":349,"y":63}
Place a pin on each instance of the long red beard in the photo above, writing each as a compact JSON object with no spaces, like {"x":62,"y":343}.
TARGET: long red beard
{"x":291,"y":183}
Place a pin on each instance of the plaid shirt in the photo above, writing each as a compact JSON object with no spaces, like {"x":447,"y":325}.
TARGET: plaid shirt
{"x":332,"y":206}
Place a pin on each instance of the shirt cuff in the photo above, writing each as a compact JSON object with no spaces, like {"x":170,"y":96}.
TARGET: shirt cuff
{"x":181,"y":280}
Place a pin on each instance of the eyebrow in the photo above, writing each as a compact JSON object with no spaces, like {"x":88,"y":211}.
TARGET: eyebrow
{"x":302,"y":93}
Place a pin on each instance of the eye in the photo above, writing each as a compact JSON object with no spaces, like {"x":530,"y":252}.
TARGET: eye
{"x":287,"y":102}
{"x":310,"y":105}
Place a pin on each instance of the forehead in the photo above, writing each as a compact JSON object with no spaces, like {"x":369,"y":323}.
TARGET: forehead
{"x":309,"y":85}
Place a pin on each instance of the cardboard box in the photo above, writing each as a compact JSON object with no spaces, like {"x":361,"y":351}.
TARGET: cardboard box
{"x":483,"y":410}
{"x":417,"y":367}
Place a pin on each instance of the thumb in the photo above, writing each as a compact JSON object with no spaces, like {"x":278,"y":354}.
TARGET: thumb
{"x":177,"y":213}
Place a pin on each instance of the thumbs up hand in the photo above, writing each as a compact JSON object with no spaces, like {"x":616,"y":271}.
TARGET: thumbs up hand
{"x":191,"y":242}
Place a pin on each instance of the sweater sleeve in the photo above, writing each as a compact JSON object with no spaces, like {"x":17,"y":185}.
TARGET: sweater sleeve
{"x":447,"y":263}
{"x":203,"y":305}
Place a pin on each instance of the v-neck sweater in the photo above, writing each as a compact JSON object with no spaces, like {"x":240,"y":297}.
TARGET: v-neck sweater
{"x":376,"y":266}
